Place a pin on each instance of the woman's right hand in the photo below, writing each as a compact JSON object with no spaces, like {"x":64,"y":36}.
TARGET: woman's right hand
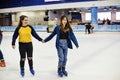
{"x":13,"y":46}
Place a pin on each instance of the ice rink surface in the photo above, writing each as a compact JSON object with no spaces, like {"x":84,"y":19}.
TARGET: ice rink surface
{"x":97,"y":58}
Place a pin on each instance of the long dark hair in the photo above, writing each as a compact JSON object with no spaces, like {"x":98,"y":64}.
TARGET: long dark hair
{"x":67,"y":26}
{"x":21,"y":18}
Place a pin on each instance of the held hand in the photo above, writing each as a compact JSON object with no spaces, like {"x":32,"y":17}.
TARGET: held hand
{"x":43,"y":41}
{"x":13,"y":46}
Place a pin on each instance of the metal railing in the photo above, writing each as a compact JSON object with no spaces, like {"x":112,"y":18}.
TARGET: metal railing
{"x":76,"y":28}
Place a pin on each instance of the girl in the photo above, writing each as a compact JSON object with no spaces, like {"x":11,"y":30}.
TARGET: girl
{"x":24,"y":31}
{"x":2,"y":61}
{"x":64,"y":34}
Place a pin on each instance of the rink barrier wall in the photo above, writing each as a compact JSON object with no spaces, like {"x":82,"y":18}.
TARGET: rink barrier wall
{"x":76,"y":28}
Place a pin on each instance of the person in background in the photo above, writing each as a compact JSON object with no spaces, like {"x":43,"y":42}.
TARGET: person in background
{"x":87,"y":28}
{"x":108,"y":21}
{"x":64,"y":37}
{"x":2,"y":61}
{"x":25,"y":33}
{"x":104,"y":21}
{"x":91,"y":29}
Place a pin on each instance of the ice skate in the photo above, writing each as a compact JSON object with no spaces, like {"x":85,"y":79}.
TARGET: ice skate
{"x":32,"y":72}
{"x":60,"y":73}
{"x":65,"y":73}
{"x":2,"y":64}
{"x":22,"y":73}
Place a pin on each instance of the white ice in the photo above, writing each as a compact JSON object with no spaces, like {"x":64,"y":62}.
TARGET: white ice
{"x":97,"y":58}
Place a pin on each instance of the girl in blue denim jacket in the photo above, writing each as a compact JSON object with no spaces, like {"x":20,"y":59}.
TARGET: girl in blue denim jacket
{"x":64,"y":37}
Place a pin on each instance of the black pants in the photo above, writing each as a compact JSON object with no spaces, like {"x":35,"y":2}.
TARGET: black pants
{"x":1,"y":54}
{"x":26,"y":49}
{"x":87,"y":30}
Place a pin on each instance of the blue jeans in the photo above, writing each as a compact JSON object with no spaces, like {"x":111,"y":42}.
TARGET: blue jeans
{"x":62,"y":53}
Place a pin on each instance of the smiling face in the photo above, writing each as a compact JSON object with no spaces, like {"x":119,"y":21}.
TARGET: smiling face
{"x":64,"y":24}
{"x":64,"y":21}
{"x":25,"y":21}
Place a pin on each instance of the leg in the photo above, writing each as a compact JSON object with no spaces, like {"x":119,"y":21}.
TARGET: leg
{"x":92,"y":30}
{"x":22,"y":51}
{"x":30,"y":61}
{"x":65,"y":52}
{"x":2,"y":62}
{"x":22,"y":57}
{"x":60,"y":56}
{"x":88,"y":31}
{"x":22,"y":63}
{"x":85,"y":30}
{"x":30,"y":57}
{"x":60,"y":62}
{"x":1,"y":55}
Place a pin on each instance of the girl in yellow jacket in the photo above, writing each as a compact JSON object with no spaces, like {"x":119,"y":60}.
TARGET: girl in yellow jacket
{"x":25,"y":33}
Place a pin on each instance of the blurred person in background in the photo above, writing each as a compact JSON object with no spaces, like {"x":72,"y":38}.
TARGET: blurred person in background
{"x":2,"y":61}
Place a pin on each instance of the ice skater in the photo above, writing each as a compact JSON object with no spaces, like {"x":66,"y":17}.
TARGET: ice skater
{"x":24,"y":31}
{"x":2,"y":61}
{"x":87,"y":28}
{"x":64,"y":36}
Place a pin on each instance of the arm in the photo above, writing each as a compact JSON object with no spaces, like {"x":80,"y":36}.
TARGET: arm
{"x":34,"y":34}
{"x":73,"y":38}
{"x":51,"y":35}
{"x":15,"y":35}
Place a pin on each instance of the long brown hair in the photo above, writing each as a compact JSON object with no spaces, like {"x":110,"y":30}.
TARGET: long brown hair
{"x":67,"y":26}
{"x":21,"y":18}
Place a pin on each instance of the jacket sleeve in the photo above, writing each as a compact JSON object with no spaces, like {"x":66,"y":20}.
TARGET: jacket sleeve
{"x":15,"y":35}
{"x":73,"y":38}
{"x":51,"y":35}
{"x":35,"y":35}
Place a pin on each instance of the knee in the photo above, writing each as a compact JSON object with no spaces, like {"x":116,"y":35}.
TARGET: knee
{"x":29,"y":58}
{"x":22,"y":59}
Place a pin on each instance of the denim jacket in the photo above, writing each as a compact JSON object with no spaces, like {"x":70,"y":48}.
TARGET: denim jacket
{"x":71,"y":37}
